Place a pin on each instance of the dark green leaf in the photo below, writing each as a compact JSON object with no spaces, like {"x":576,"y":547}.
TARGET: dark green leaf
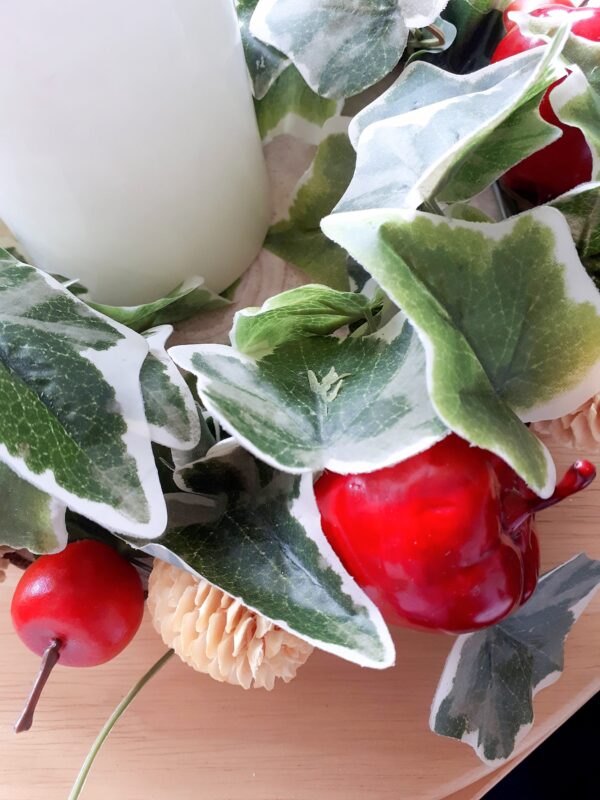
{"x":72,"y":420}
{"x":255,"y":533}
{"x":485,"y":695}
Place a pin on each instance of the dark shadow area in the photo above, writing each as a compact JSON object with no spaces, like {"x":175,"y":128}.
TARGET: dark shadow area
{"x":567,"y":765}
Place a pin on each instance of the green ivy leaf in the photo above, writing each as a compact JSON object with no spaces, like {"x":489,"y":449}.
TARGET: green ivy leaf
{"x":73,"y":421}
{"x":184,"y":302}
{"x":509,"y":319}
{"x":265,"y":63}
{"x":342,"y":47}
{"x":581,"y":207}
{"x":30,"y":519}
{"x":435,"y":134}
{"x":170,"y":407}
{"x":467,"y":212}
{"x":299,"y":239}
{"x":291,"y":107}
{"x":352,"y":405}
{"x":485,"y":695}
{"x":297,"y":314}
{"x":576,"y":101}
{"x":256,"y":534}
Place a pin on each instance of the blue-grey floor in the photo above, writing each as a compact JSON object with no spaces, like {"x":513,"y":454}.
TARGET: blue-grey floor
{"x":566,"y":767}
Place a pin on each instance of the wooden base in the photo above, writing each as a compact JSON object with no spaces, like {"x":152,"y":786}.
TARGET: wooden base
{"x":337,"y":733}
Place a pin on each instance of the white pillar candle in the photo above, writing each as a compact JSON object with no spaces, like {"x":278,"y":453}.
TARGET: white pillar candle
{"x":129,"y":153}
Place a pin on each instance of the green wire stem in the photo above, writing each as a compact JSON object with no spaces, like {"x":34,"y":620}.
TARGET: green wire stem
{"x":110,"y":723}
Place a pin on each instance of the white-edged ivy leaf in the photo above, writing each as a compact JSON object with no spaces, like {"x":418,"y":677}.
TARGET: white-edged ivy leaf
{"x":184,"y":302}
{"x":300,"y":313}
{"x":576,"y":101}
{"x":434,"y":133}
{"x":348,"y":405}
{"x":206,"y":442}
{"x":468,"y":212}
{"x":508,"y":316}
{"x":342,"y":47}
{"x":256,"y":534}
{"x":265,"y":63}
{"x":30,"y":519}
{"x":73,"y":421}
{"x":291,"y":107}
{"x":485,"y":694}
{"x":299,"y":239}
{"x":581,"y":207}
{"x":72,"y":284}
{"x":170,"y":407}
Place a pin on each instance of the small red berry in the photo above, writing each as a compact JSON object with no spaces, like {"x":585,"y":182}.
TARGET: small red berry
{"x":88,"y":597}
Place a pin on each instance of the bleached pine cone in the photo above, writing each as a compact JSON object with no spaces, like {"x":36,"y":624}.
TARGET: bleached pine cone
{"x":215,"y":634}
{"x":580,"y":430}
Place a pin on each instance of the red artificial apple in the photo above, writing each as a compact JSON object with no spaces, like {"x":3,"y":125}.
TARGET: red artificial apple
{"x":444,"y":540}
{"x":527,"y":6}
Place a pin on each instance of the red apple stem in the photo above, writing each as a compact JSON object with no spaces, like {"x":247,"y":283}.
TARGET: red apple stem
{"x":577,"y":478}
{"x":49,"y":661}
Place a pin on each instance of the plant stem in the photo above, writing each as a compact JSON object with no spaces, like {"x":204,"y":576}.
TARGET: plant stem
{"x":433,"y":207}
{"x":110,"y":723}
{"x":49,"y":661}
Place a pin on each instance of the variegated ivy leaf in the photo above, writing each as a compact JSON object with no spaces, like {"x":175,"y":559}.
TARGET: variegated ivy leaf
{"x":351,"y":405}
{"x":299,"y":239}
{"x":170,"y":407}
{"x":181,"y":458}
{"x":265,"y":63}
{"x":468,"y":212}
{"x":291,"y":107}
{"x":184,"y":302}
{"x":342,"y":46}
{"x":30,"y":519}
{"x":509,"y":319}
{"x":581,"y":207}
{"x":436,"y":134}
{"x":256,"y":534}
{"x":576,"y":100}
{"x":73,"y":421}
{"x":485,"y":695}
{"x":297,"y":314}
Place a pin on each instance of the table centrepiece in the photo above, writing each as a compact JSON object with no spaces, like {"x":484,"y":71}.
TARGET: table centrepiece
{"x":365,"y":451}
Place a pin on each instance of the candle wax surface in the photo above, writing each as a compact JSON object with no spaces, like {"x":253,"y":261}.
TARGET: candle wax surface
{"x":129,"y":153}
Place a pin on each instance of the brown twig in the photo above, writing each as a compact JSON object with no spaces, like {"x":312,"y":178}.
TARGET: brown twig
{"x":49,"y":661}
{"x":438,"y":33}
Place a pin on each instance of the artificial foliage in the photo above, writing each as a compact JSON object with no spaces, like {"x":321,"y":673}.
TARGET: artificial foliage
{"x":423,"y":315}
